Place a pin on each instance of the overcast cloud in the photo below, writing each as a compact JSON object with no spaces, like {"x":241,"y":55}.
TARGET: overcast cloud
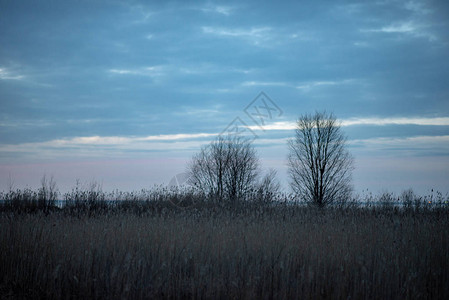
{"x":109,"y":83}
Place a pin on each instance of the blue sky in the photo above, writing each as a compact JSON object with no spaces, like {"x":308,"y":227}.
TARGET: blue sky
{"x":124,"y":92}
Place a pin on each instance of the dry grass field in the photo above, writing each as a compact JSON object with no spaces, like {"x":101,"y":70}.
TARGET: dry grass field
{"x":213,"y":252}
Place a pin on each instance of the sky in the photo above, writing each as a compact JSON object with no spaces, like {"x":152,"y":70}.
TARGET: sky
{"x":125,"y":92}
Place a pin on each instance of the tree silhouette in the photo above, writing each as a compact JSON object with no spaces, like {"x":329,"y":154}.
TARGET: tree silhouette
{"x":319,"y":164}
{"x":226,"y":169}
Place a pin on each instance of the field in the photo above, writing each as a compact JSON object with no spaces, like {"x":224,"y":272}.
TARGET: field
{"x":210,"y":251}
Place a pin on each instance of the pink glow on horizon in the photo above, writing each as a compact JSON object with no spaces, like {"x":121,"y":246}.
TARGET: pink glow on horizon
{"x":122,"y":174}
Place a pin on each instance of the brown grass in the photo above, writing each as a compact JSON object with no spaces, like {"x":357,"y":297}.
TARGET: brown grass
{"x":266,"y":253}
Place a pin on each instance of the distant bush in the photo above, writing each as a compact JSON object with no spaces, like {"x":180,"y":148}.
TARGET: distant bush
{"x":27,"y":200}
{"x":92,"y":200}
{"x":386,"y":200}
{"x":409,"y":199}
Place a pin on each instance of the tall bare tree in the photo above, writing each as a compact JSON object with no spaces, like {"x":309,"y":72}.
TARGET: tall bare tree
{"x":320,"y":166}
{"x":226,"y":169}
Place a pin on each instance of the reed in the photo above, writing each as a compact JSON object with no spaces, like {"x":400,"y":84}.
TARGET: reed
{"x":211,"y":251}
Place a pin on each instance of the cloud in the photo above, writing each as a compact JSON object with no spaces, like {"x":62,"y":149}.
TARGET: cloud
{"x":179,"y":136}
{"x":305,"y":86}
{"x":262,"y":36}
{"x":411,"y":28}
{"x":105,"y":146}
{"x":417,"y":24}
{"x":253,"y":32}
{"x":255,"y":35}
{"x":8,"y":75}
{"x":220,"y":9}
{"x":443,"y":121}
{"x":310,"y":85}
{"x":122,"y":71}
{"x":179,"y":69}
{"x":418,"y":7}
{"x":419,"y":145}
{"x":276,"y":126}
{"x":153,"y":71}
{"x":397,"y":28}
{"x":120,"y":146}
{"x":116,"y":140}
{"x":421,"y":140}
{"x":313,"y":84}
{"x":26,"y":123}
{"x":200,"y":112}
{"x":141,"y":14}
{"x":264,"y":83}
{"x":116,"y":146}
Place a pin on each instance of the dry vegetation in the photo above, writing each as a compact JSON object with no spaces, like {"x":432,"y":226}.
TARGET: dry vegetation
{"x":157,"y":250}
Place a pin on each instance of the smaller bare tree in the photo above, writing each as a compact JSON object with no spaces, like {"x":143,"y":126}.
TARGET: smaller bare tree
{"x":320,"y":166}
{"x":225,"y":169}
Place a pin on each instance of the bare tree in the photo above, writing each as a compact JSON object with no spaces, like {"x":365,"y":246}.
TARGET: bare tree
{"x":226,"y":169}
{"x":320,"y":166}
